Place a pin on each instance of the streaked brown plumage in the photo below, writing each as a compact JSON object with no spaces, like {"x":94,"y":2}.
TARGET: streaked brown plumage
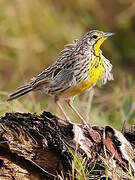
{"x":78,"y":67}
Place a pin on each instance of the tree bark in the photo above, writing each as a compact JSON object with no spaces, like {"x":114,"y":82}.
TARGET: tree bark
{"x":38,"y":147}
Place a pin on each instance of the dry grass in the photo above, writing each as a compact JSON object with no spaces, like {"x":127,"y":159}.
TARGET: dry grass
{"x":32,"y":33}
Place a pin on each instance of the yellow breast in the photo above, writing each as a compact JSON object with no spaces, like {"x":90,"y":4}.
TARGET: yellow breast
{"x":96,"y":70}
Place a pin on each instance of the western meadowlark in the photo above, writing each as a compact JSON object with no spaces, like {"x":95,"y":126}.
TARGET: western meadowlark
{"x":78,"y":67}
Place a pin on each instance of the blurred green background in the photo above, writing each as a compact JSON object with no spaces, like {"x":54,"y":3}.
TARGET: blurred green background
{"x":33,"y":32}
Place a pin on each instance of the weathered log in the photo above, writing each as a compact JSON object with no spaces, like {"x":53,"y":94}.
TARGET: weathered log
{"x":36,"y":147}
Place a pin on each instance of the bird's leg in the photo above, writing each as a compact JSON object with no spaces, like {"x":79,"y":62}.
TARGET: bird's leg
{"x":61,"y":109}
{"x":69,"y":101}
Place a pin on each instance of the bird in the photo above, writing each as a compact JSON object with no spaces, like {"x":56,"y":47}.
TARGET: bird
{"x":79,"y":66}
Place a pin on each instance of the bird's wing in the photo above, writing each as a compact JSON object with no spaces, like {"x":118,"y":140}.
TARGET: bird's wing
{"x":64,"y":80}
{"x":64,"y":60}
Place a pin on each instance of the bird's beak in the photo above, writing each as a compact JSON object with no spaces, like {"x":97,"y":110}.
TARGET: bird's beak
{"x":106,"y":35}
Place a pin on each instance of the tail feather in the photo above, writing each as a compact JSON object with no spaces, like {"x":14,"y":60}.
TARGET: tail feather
{"x":20,"y":92}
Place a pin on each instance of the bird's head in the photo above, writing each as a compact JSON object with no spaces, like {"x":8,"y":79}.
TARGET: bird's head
{"x":94,"y":39}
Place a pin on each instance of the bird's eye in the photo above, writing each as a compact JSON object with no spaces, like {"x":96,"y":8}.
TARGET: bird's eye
{"x":94,"y":36}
